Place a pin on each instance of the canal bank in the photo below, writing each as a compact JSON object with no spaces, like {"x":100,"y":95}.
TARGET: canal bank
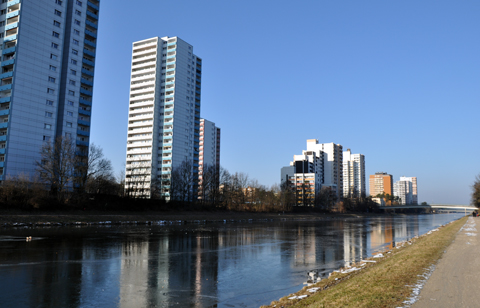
{"x":395,"y":277}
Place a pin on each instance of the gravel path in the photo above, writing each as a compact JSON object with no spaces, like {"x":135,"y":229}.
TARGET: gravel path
{"x":456,"y":279}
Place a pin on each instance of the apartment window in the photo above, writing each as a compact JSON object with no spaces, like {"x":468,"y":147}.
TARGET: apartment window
{"x":51,"y":79}
{"x":58,"y":13}
{"x":77,"y":12}
{"x":72,"y":82}
{"x":73,"y":72}
{"x":71,"y":103}
{"x":53,"y":68}
{"x":69,"y":124}
{"x":70,"y":92}
{"x":53,"y":57}
{"x":3,"y":12}
{"x":77,"y":22}
{"x":55,"y":34}
{"x":56,"y":23}
{"x":59,"y":2}
{"x":2,"y":35}
{"x":48,"y":114}
{"x":79,"y":3}
{"x":69,"y":113}
{"x":73,"y":61}
{"x":47,"y":126}
{"x":46,"y":138}
{"x":75,"y":42}
{"x":74,"y":51}
{"x":50,"y":91}
{"x":49,"y":102}
{"x":75,"y":31}
{"x":54,"y":45}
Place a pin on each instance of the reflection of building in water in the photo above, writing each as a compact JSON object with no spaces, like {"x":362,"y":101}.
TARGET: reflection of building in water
{"x":382,"y":235}
{"x":354,"y":243}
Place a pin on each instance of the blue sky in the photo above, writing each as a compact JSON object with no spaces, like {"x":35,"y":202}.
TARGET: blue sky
{"x":398,"y":81}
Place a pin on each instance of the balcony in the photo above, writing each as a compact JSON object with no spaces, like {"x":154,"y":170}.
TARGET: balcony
{"x":83,"y":122}
{"x":9,"y":50}
{"x":172,"y":44}
{"x":83,"y":133}
{"x":12,"y":14}
{"x":4,"y":112}
{"x":5,"y":99}
{"x":84,"y":112}
{"x":87,"y":72}
{"x":86,"y":82}
{"x":82,"y":143}
{"x":86,"y":61}
{"x":88,"y":52}
{"x":90,"y":43}
{"x":6,"y":87}
{"x":94,"y":6}
{"x":12,"y":2}
{"x":85,"y":102}
{"x":8,"y":62}
{"x":11,"y":26}
{"x":86,"y":92}
{"x":92,"y":15}
{"x":91,"y":24}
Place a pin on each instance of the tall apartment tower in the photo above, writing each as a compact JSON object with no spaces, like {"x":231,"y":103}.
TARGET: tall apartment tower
{"x":47,"y":68}
{"x":403,"y":189}
{"x":353,"y":175}
{"x":209,"y":151}
{"x":413,"y":180}
{"x":381,"y":182}
{"x":332,"y":164}
{"x":164,"y":114}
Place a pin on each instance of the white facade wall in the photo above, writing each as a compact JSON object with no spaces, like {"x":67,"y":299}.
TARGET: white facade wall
{"x":353,"y":174}
{"x":413,"y":180}
{"x":332,"y":163}
{"x":44,"y":92}
{"x":403,"y":190}
{"x":164,"y":111}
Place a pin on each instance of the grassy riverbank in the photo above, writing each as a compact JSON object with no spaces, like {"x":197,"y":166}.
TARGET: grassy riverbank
{"x":386,"y":283}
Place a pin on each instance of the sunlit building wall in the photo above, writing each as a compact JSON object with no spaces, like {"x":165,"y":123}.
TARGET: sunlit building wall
{"x":353,"y":175}
{"x":46,"y":79}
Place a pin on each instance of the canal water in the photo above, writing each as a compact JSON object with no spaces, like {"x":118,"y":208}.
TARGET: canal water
{"x":193,"y":265}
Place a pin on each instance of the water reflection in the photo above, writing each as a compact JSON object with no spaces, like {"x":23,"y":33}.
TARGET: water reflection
{"x":225,"y":265}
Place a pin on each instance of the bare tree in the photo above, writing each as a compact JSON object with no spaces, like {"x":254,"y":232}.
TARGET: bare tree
{"x":56,"y":167}
{"x":476,"y":192}
{"x":182,"y":183}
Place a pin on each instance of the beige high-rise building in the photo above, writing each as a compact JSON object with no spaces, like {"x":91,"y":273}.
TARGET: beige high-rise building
{"x":353,"y":175}
{"x":413,"y":180}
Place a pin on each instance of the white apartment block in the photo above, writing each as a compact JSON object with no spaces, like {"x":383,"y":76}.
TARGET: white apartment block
{"x":305,"y":175}
{"x":332,"y":164}
{"x":413,"y":180}
{"x":209,"y":150}
{"x":46,"y":79}
{"x":403,"y":190}
{"x":354,"y":184}
{"x":164,"y":114}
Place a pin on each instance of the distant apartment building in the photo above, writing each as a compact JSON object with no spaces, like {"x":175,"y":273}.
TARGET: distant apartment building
{"x":332,"y":157}
{"x":304,"y":175}
{"x":381,"y":182}
{"x":46,"y":79}
{"x":403,"y":190}
{"x":164,"y":115}
{"x":353,"y":175}
{"x":413,"y":180}
{"x":209,"y":153}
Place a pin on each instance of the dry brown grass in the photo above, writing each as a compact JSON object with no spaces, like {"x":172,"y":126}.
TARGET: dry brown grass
{"x":386,"y":283}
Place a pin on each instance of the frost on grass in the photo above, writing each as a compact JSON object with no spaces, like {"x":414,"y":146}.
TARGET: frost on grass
{"x":418,"y":287}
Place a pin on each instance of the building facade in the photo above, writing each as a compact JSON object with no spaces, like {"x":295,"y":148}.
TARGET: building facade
{"x":413,"y":180}
{"x":164,"y":116}
{"x":48,"y":63}
{"x":332,"y":156}
{"x":209,"y":156}
{"x":380,"y":183}
{"x":304,"y":176}
{"x":353,"y":175}
{"x":403,"y":190}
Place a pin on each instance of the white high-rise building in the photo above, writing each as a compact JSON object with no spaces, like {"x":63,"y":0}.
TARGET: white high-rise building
{"x":413,"y":180}
{"x":353,"y":175}
{"x":164,"y":115}
{"x":332,"y":164}
{"x":403,"y":190}
{"x":209,"y":152}
{"x":46,"y":79}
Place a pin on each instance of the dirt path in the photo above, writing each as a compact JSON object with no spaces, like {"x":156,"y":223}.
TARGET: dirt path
{"x":456,"y":279}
